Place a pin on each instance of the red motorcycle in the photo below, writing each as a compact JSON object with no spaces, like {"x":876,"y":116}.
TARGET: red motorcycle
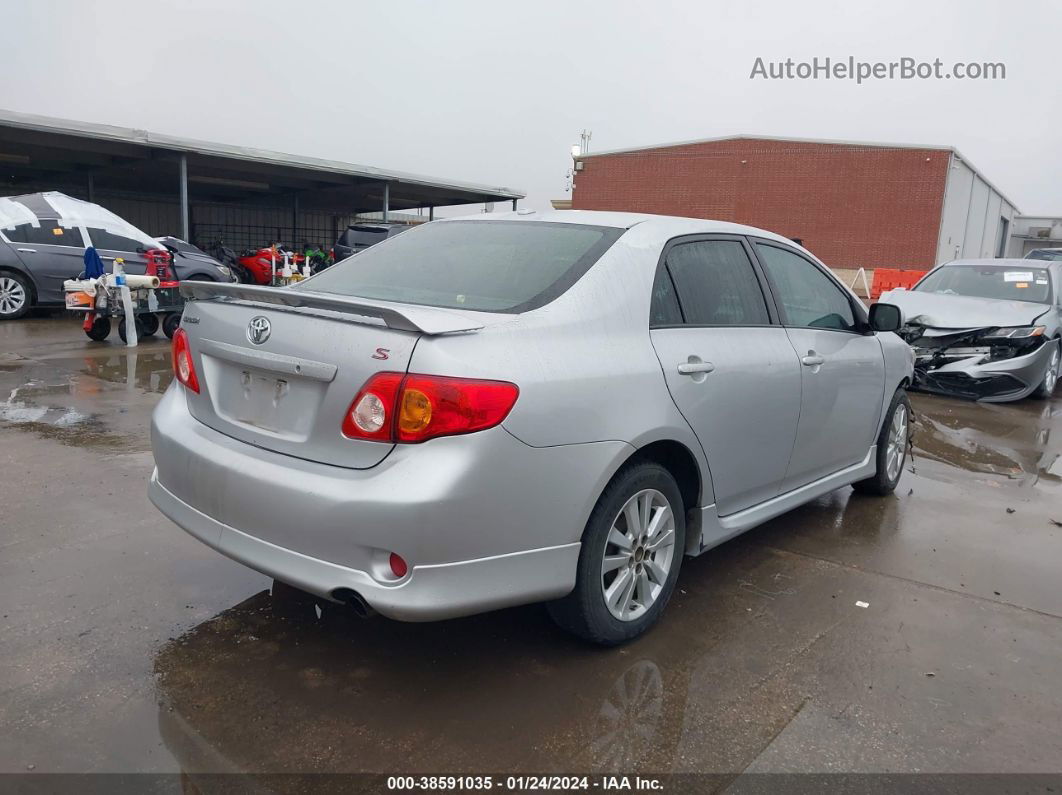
{"x":262,"y":263}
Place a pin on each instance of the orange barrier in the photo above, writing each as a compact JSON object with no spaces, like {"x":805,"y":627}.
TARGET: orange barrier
{"x":886,"y":279}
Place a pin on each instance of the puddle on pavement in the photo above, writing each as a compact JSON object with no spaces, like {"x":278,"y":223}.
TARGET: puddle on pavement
{"x":1020,"y":442}
{"x":337,"y":693}
{"x":151,"y":372}
{"x":44,"y":407}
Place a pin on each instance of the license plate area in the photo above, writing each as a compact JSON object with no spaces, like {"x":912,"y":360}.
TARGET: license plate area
{"x":278,"y":405}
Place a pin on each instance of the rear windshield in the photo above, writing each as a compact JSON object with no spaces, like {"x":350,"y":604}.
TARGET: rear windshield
{"x":490,"y":266}
{"x":1052,"y":255}
{"x":1016,"y":284}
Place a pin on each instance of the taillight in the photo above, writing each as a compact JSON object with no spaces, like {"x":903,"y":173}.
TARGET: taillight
{"x":183,"y":367}
{"x":369,"y":416}
{"x":394,"y":407}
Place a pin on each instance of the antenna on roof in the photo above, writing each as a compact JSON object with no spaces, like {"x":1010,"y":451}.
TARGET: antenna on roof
{"x":578,"y":150}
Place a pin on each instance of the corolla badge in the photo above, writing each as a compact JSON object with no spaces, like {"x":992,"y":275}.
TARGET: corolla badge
{"x":258,"y":330}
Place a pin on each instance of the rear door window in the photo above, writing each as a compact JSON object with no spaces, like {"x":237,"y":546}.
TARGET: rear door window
{"x":48,"y":233}
{"x":492,"y":266}
{"x":716,"y":284}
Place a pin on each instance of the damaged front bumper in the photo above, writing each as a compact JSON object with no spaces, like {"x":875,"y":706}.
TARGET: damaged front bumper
{"x":978,"y":371}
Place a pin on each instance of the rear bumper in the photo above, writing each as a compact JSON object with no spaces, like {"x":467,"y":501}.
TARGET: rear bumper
{"x":429,"y":593}
{"x":989,"y":382}
{"x":484,"y":521}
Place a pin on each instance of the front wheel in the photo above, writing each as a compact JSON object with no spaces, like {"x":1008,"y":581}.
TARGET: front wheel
{"x":1047,"y":386}
{"x":629,"y":562}
{"x":892,"y":448}
{"x":100,"y":328}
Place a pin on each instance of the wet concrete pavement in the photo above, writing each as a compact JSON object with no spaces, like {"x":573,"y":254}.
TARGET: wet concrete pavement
{"x":125,"y":645}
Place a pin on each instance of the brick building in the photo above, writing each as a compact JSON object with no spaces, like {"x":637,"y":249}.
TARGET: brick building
{"x":852,"y":204}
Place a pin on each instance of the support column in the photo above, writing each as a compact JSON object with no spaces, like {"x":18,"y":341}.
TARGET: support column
{"x":431,"y":213}
{"x":184,"y":197}
{"x":295,"y":222}
{"x":514,"y":204}
{"x":387,"y":200}
{"x":91,"y":188}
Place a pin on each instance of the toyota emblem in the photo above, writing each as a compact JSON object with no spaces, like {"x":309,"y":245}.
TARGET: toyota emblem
{"x":258,"y":330}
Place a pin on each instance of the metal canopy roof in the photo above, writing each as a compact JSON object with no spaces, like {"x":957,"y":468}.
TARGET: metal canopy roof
{"x":61,"y":152}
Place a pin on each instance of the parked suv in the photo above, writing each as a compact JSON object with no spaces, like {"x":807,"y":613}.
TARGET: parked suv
{"x":554,"y":407}
{"x":358,"y":237}
{"x":43,"y":237}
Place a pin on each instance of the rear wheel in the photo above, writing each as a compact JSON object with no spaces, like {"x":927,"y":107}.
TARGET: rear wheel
{"x":15,"y":295}
{"x":100,"y":329}
{"x":629,"y":562}
{"x":892,"y":448}
{"x":1047,"y":386}
{"x":147,"y":325}
{"x":140,"y":328}
{"x":171,"y":323}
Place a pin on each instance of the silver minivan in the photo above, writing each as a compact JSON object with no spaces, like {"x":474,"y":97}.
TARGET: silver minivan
{"x":525,"y":407}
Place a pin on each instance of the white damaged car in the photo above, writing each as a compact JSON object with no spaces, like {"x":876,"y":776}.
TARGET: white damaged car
{"x":985,"y":329}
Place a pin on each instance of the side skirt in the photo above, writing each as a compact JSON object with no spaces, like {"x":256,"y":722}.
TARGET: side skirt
{"x":717,"y":529}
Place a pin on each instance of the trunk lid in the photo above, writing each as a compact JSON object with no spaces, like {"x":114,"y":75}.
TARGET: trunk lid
{"x":288,"y":390}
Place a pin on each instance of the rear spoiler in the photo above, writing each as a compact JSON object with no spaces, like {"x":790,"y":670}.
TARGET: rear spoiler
{"x":403,"y":317}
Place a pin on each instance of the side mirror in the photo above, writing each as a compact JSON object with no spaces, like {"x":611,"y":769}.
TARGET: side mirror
{"x":886,"y":317}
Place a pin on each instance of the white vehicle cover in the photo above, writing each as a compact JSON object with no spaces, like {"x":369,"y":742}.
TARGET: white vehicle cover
{"x":68,"y":212}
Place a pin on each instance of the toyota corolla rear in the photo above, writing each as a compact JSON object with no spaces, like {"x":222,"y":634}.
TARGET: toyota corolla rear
{"x":349,"y":436}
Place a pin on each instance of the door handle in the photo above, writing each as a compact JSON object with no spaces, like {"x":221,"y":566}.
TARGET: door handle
{"x":692,"y":368}
{"x":812,"y":359}
{"x":107,"y":259}
{"x":28,"y":250}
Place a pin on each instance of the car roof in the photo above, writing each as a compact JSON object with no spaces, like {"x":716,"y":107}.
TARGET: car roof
{"x":665,"y":225}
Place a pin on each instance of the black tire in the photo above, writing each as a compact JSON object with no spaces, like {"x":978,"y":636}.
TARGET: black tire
{"x":16,"y":295}
{"x":200,"y":277}
{"x":139,"y":323}
{"x":101,"y":329}
{"x":147,"y":325}
{"x":882,"y":482}
{"x":584,"y":612}
{"x":171,"y":323}
{"x":1047,"y":387}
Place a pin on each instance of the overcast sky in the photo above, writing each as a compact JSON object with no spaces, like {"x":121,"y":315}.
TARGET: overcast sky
{"x":496,"y":92}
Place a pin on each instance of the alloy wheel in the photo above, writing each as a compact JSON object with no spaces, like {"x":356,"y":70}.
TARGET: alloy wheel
{"x":897,"y":445}
{"x":638,"y":555}
{"x":1051,"y":376}
{"x":12,"y":296}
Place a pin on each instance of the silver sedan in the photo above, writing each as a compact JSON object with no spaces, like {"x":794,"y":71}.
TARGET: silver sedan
{"x":526,"y":407}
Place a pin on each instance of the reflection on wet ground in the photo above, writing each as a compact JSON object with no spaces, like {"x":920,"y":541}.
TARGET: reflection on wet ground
{"x":1020,"y":441}
{"x":127,"y":645}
